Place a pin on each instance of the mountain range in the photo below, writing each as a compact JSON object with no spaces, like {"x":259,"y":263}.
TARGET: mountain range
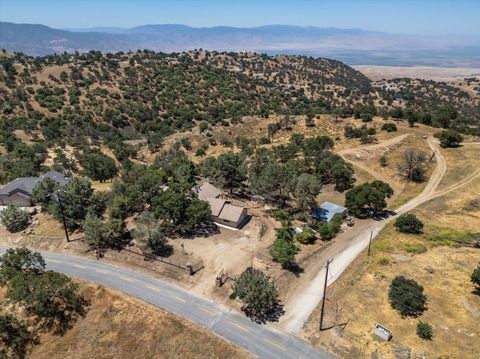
{"x":353,"y":46}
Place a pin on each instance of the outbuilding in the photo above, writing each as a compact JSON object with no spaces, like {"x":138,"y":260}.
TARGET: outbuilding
{"x":328,"y":210}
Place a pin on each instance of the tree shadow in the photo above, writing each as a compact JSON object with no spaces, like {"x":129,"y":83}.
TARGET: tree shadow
{"x":272,"y":315}
{"x":294,"y":268}
{"x":65,"y":317}
{"x":476,"y":291}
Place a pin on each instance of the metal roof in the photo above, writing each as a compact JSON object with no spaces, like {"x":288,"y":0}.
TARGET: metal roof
{"x":327,"y":210}
{"x":207,"y":190}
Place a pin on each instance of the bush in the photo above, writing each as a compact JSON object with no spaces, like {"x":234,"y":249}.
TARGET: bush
{"x":306,"y":237}
{"x":475,"y":278}
{"x":389,"y":127}
{"x":409,"y":223}
{"x":329,"y":230}
{"x":424,"y":330}
{"x":14,"y":218}
{"x":406,"y":296}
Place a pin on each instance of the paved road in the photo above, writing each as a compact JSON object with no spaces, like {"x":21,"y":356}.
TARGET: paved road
{"x":260,"y":340}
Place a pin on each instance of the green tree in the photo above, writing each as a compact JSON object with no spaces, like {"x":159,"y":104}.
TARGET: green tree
{"x":368,"y":198}
{"x":449,"y":138}
{"x":43,"y":193}
{"x":258,"y":294}
{"x":94,"y":234}
{"x":150,"y":236}
{"x":75,"y":199}
{"x":98,"y":166}
{"x":283,"y":250}
{"x":409,"y":223}
{"x":14,"y":337}
{"x":229,"y":171}
{"x":424,"y":330}
{"x":407,"y":297}
{"x":14,"y":218}
{"x":307,"y":236}
{"x":306,"y":191}
{"x":51,"y":296}
{"x":19,"y":260}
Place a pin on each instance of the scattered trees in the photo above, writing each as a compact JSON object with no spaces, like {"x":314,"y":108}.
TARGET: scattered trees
{"x":368,"y":198}
{"x":409,"y":223}
{"x":406,"y":296}
{"x":14,"y":218}
{"x":257,"y":293}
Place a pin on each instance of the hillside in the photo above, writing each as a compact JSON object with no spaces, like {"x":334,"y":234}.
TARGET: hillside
{"x":355,"y":46}
{"x":105,"y":99}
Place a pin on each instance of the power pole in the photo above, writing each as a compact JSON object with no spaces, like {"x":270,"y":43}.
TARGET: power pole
{"x":324,"y":293}
{"x":370,"y":243}
{"x":63,"y":215}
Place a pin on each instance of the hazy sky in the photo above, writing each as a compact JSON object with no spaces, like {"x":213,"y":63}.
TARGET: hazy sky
{"x":397,"y":16}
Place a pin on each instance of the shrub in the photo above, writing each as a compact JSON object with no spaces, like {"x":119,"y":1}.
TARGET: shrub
{"x":306,"y":237}
{"x":475,"y":277}
{"x":14,"y":218}
{"x":409,"y":223}
{"x":389,"y":127}
{"x":406,"y":296}
{"x":424,"y":330}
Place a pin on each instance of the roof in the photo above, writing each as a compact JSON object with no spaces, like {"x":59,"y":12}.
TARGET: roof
{"x":327,"y":210}
{"x":27,"y":184}
{"x":216,"y":205}
{"x":207,"y":190}
{"x":231,"y":213}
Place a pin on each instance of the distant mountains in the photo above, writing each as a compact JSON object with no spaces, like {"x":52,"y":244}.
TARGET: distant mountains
{"x":353,"y":46}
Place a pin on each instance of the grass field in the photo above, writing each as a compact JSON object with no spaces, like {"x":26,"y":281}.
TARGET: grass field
{"x":117,"y":326}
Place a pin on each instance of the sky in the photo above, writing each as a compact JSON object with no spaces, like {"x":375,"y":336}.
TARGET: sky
{"x":425,"y":17}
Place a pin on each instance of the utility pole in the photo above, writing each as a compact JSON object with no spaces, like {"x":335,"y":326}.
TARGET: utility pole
{"x":370,"y":243}
{"x":324,"y":293}
{"x":63,"y":215}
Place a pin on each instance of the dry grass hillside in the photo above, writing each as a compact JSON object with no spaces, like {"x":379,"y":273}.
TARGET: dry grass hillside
{"x":117,"y":326}
{"x":434,"y":259}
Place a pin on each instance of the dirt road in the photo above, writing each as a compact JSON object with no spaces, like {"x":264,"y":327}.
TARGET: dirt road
{"x":310,"y":287}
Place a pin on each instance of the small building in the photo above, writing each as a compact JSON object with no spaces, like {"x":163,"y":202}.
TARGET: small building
{"x":382,"y":332}
{"x":328,"y":210}
{"x":19,"y":191}
{"x":223,"y":212}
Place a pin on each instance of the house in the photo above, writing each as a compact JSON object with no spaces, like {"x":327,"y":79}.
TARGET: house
{"x":223,"y":212}
{"x":328,"y":210}
{"x":19,"y":191}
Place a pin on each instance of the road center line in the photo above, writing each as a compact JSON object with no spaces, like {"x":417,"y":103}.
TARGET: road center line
{"x":238,"y":326}
{"x":126,"y":278}
{"x":152,"y":288}
{"x":79,"y":266}
{"x":275,"y":344}
{"x":180,"y":299}
{"x":102,"y":271}
{"x":207,"y":311}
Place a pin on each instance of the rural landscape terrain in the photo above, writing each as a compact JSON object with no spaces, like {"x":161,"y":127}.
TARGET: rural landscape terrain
{"x":255,"y":200}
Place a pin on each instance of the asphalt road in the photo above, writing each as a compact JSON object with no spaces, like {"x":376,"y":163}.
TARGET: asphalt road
{"x":260,"y":340}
